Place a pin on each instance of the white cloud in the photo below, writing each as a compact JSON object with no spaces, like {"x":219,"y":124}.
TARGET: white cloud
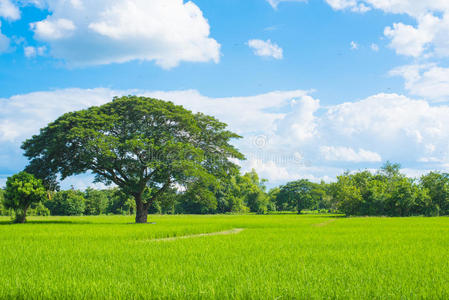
{"x":427,"y":80}
{"x":396,"y":127}
{"x":266,"y":48}
{"x":21,"y":116}
{"x":427,"y":38}
{"x":8,"y":10}
{"x":347,"y":154}
{"x":275,"y":3}
{"x":4,"y":41}
{"x":352,"y":5}
{"x":103,"y":32}
{"x":413,"y":8}
{"x":31,"y":52}
{"x":354,"y":45}
{"x":411,"y":41}
{"x":300,"y":124}
{"x":375,"y":47}
{"x":53,"y":29}
{"x":269,"y":169}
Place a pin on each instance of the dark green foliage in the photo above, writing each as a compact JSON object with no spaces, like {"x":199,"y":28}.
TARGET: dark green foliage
{"x":272,"y":198}
{"x":252,"y":190}
{"x":199,"y":198}
{"x":96,"y":202}
{"x":386,"y":193}
{"x":22,"y":190}
{"x":297,"y":195}
{"x":437,"y":185}
{"x":167,"y":203}
{"x":67,"y":203}
{"x":119,"y":202}
{"x":38,"y":209}
{"x":233,"y":194}
{"x":3,"y":210}
{"x":229,"y":196}
{"x":143,"y":145}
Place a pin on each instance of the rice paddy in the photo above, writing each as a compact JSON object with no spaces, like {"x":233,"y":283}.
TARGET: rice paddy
{"x":232,"y":257}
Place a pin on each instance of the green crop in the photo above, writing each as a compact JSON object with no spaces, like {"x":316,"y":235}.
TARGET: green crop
{"x":274,"y":257}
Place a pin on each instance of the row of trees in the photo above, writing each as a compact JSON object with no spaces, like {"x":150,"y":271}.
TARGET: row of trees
{"x":238,"y":194}
{"x":386,"y":192}
{"x":13,"y":201}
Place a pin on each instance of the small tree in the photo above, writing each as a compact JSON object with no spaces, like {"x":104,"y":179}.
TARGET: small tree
{"x":22,"y":190}
{"x":296,"y":195}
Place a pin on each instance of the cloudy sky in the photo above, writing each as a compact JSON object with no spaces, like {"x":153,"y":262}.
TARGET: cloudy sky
{"x":315,"y":87}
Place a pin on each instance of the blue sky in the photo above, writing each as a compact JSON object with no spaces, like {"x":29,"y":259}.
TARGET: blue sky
{"x":315,"y":87}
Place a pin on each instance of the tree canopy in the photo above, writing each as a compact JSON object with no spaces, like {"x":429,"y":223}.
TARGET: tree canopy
{"x":142,"y":145}
{"x":21,"y":191}
{"x":296,"y":195}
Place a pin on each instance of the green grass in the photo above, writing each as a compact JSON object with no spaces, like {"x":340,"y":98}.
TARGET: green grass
{"x":275,"y":257}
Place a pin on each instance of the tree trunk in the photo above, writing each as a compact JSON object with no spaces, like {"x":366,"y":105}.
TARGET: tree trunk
{"x":141,"y":210}
{"x":21,"y":216}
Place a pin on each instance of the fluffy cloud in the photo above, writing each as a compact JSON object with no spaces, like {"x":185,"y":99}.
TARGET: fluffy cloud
{"x":8,"y":10}
{"x":348,"y":154}
{"x":352,"y":5}
{"x":52,"y":30}
{"x":428,"y":37}
{"x":411,"y":41}
{"x":413,"y":8}
{"x":275,"y":3}
{"x":396,"y":127}
{"x":300,"y":124}
{"x":31,"y":52}
{"x":266,"y":48}
{"x":287,"y":135}
{"x":101,"y":32}
{"x":4,"y":41}
{"x":427,"y":80}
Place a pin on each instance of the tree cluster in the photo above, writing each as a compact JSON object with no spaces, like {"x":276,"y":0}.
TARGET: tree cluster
{"x":390,"y":193}
{"x":386,"y":192}
{"x":237,"y":194}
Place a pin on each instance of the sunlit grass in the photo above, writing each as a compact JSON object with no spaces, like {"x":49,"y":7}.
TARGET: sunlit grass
{"x":278,"y":256}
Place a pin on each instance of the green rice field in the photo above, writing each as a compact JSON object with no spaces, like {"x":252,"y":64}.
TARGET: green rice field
{"x":273,"y":257}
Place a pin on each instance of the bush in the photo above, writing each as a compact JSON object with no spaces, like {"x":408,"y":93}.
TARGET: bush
{"x":38,"y":209}
{"x":67,"y":203}
{"x":96,"y":202}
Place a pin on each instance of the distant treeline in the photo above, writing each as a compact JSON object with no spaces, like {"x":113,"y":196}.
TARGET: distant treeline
{"x":386,"y":192}
{"x":75,"y":203}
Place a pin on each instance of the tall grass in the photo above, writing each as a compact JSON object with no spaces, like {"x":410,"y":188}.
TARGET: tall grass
{"x":275,"y":257}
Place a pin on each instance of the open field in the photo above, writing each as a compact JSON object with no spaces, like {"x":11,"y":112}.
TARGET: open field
{"x":275,"y":257}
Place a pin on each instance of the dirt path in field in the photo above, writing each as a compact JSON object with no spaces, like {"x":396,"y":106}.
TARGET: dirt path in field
{"x":227,"y":232}
{"x":324,"y":223}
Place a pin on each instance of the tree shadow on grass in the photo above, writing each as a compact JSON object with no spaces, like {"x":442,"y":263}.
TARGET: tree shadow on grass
{"x":307,"y":214}
{"x":10,"y":222}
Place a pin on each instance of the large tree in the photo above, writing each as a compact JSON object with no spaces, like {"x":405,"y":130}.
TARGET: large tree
{"x":143,"y":145}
